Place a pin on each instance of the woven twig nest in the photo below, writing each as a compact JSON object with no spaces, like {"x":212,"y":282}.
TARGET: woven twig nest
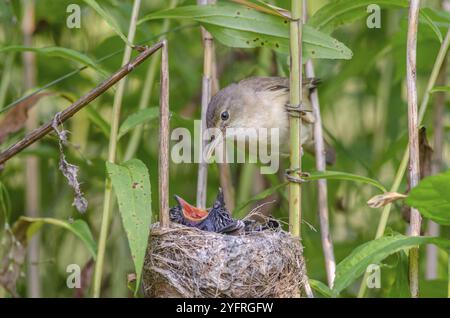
{"x":186,"y":262}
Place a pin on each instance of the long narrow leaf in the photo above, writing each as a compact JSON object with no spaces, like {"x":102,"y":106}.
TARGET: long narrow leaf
{"x":321,"y":288}
{"x":440,"y":89}
{"x":427,"y":19}
{"x":132,"y":187}
{"x":55,"y":51}
{"x":109,"y":19}
{"x":137,"y":119}
{"x":373,"y":252}
{"x":339,"y":12}
{"x":78,"y":227}
{"x":337,"y":175}
{"x":262,"y":195}
{"x":98,"y":120}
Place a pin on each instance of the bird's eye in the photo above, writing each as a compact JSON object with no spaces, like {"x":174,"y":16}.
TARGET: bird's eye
{"x":224,"y":115}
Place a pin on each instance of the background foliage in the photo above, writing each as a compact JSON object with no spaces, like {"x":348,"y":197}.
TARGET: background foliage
{"x":369,"y":136}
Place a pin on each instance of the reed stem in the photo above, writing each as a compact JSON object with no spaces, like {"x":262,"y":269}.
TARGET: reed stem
{"x":413,"y":132}
{"x":163,"y":164}
{"x":322,"y":189}
{"x":32,"y":172}
{"x":208,"y":48}
{"x":296,"y":30}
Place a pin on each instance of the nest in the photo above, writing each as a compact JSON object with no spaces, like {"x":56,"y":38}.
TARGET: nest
{"x":186,"y":262}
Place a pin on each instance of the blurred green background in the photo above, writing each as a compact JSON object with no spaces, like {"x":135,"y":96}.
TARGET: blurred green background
{"x":369,"y":136}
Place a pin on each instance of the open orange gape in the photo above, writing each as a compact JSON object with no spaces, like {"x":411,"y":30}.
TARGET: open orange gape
{"x":215,"y":219}
{"x":191,"y":212}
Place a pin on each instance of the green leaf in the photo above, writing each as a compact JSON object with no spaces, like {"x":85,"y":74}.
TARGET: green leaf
{"x":262,"y":6}
{"x":437,"y":89}
{"x":239,"y":26}
{"x":5,"y":206}
{"x":78,"y":227}
{"x":400,"y":287}
{"x":321,"y":288}
{"x":337,"y":175}
{"x":432,"y":197}
{"x":137,"y":119}
{"x":373,"y":252}
{"x":132,"y":187}
{"x":98,"y":121}
{"x":440,"y":18}
{"x":437,"y":288}
{"x":262,"y":195}
{"x":339,"y":12}
{"x":109,"y":19}
{"x":56,"y":51}
{"x":427,"y":19}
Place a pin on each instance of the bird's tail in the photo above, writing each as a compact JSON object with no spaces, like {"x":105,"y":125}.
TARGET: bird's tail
{"x":330,"y":153}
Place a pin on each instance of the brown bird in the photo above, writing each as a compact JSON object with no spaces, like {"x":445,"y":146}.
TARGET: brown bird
{"x":262,"y":102}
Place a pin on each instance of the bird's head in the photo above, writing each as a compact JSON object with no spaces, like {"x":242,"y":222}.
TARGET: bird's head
{"x":228,"y":108}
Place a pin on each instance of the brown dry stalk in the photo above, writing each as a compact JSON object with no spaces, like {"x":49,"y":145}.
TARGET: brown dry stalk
{"x":226,"y":182}
{"x":413,"y":132}
{"x":208,"y":49}
{"x":43,"y":130}
{"x":322,"y":189}
{"x":164,"y":139}
{"x":32,"y":172}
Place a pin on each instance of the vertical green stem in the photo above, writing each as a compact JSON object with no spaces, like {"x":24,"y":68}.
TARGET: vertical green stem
{"x":296,"y":31}
{"x":107,"y":203}
{"x":6,"y":78}
{"x":448,"y":278}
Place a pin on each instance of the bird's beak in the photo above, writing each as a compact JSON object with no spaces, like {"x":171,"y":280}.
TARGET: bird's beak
{"x":212,"y":145}
{"x":190,"y":212}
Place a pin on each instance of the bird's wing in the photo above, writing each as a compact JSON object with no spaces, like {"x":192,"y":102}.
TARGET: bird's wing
{"x":259,"y":84}
{"x":262,"y":84}
{"x":272,"y":88}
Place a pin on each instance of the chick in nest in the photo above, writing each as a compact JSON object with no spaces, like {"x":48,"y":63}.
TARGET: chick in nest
{"x":216,"y":219}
